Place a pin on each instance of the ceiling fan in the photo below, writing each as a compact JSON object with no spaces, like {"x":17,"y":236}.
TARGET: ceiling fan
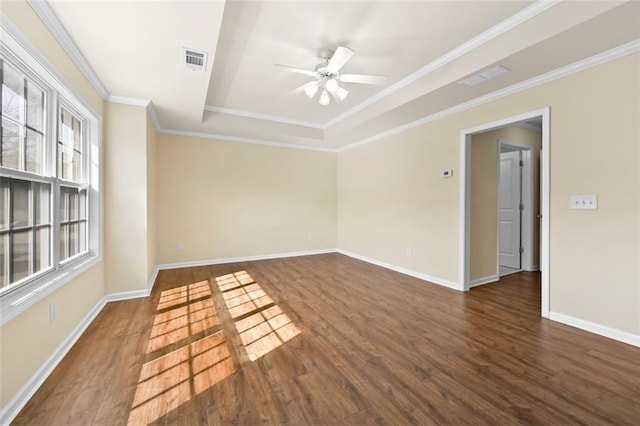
{"x":328,"y":77}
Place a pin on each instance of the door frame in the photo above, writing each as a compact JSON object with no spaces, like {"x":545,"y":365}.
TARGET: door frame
{"x":526,"y":197}
{"x":465,"y":198}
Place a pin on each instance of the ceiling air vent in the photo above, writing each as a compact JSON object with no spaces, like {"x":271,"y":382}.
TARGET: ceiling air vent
{"x":484,"y":76}
{"x":194,"y":59}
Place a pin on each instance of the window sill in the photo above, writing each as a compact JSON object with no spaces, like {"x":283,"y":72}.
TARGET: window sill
{"x":16,"y":302}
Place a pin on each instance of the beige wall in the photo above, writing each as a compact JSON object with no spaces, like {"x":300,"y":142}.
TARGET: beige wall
{"x":484,"y":196}
{"x":125,"y":194}
{"x":152,"y":208}
{"x":391,"y":196}
{"x":225,"y":199}
{"x":594,"y":150}
{"x":28,"y":340}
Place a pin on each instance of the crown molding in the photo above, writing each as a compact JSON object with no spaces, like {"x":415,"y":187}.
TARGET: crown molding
{"x":259,"y":116}
{"x":595,"y":60}
{"x":519,"y":18}
{"x":230,"y":138}
{"x":154,"y":116}
{"x":128,"y":101}
{"x":53,"y":24}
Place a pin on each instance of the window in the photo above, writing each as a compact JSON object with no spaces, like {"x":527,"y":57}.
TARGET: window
{"x":73,"y":193}
{"x":23,"y":121}
{"x":25,"y":203}
{"x":49,"y":169}
{"x":25,"y":229}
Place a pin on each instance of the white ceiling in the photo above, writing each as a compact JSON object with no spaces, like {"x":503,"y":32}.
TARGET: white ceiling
{"x":424,"y":47}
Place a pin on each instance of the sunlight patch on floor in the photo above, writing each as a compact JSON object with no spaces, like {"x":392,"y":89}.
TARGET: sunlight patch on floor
{"x":170,"y":380}
{"x":261,"y":324}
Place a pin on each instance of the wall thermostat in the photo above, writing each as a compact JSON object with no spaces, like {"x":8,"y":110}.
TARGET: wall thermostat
{"x":447,"y":173}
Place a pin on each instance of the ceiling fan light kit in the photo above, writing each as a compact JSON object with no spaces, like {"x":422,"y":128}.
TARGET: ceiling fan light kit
{"x":324,"y":98}
{"x":328,"y":78}
{"x":331,"y":85}
{"x":342,"y":93}
{"x":311,"y":90}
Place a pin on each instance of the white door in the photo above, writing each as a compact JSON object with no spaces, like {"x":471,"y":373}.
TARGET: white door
{"x":509,"y":200}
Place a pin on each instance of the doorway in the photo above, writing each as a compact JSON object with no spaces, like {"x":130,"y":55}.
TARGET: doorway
{"x":541,"y":215}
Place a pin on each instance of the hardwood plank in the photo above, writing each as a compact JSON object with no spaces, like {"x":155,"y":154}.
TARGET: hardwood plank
{"x":328,"y":339}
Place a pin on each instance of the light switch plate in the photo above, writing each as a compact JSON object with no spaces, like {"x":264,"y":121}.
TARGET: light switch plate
{"x":584,"y":202}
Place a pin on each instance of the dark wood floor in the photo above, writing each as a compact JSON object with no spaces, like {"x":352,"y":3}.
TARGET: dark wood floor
{"x":331,"y":340}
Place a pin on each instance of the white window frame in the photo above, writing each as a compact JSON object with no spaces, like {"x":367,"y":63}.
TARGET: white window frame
{"x":20,"y":53}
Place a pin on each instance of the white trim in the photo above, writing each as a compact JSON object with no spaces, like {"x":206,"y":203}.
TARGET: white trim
{"x":429,"y":278}
{"x":599,"y":59}
{"x":464,"y":214}
{"x":229,"y":138}
{"x":14,"y":303}
{"x":128,"y":101}
{"x":466,"y":47}
{"x":529,"y":126}
{"x":135,"y":294}
{"x":221,"y":261}
{"x":259,"y":116}
{"x":20,"y":399}
{"x":515,"y":271}
{"x":484,"y":280}
{"x":544,"y":211}
{"x":127,"y":295}
{"x":154,"y":116}
{"x":152,"y":279}
{"x":53,"y":24}
{"x":464,"y":265}
{"x":601,"y":330}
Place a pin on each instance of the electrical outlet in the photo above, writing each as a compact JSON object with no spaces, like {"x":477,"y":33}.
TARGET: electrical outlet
{"x":409,"y":251}
{"x":309,"y":236}
{"x":180,"y":246}
{"x":52,"y":311}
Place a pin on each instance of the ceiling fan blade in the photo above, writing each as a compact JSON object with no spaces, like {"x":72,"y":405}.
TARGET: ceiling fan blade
{"x":363,"y":78}
{"x":298,"y":70}
{"x":339,"y":58}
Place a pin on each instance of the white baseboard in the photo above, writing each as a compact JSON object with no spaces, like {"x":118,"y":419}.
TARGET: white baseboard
{"x":419,"y":275}
{"x":13,"y":407}
{"x":242,"y":259}
{"x":484,"y":280}
{"x":611,"y":333}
